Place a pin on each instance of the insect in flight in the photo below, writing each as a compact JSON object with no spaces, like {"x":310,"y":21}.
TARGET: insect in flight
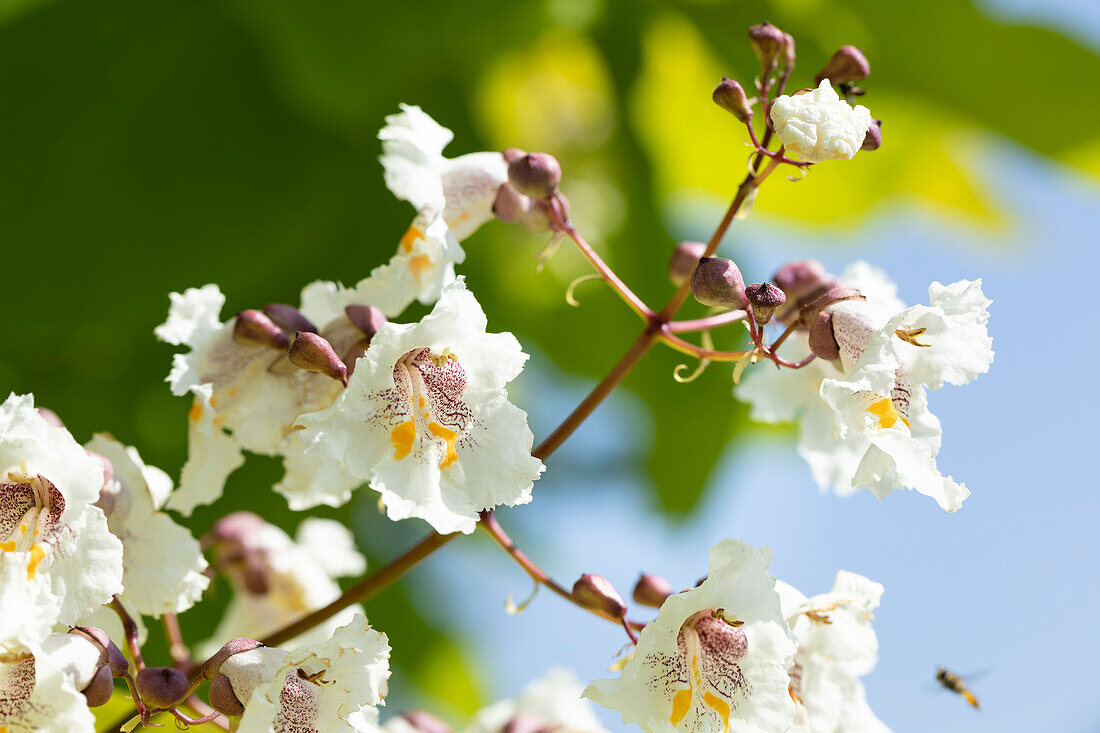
{"x":955,"y":683}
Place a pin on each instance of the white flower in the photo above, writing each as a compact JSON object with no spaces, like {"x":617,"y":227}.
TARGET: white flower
{"x":554,"y":702}
{"x":331,"y":686}
{"x":426,"y":418}
{"x":836,"y":646}
{"x":277,"y":580}
{"x":819,"y":126}
{"x":40,"y":686}
{"x":248,"y":397}
{"x":58,"y":561}
{"x":864,"y":419}
{"x":163,"y":564}
{"x":716,"y":657}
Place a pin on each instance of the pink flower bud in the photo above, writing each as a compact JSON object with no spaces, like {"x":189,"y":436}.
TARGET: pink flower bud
{"x":510,"y":205}
{"x":767,"y":41}
{"x":808,"y":312}
{"x":766,"y":299}
{"x":683,"y":260}
{"x":313,"y":353}
{"x":651,"y":590}
{"x":786,"y":51}
{"x":235,"y":646}
{"x":99,"y":690}
{"x":848,"y":64}
{"x":596,"y":593}
{"x":873,"y":139}
{"x":288,"y":318}
{"x":730,"y":96}
{"x":110,"y":655}
{"x":222,"y":697}
{"x":822,"y":340}
{"x":536,"y":175}
{"x":253,"y":328}
{"x":511,"y":154}
{"x":425,"y":722}
{"x":796,"y":278}
{"x":161,"y":687}
{"x":716,"y":281}
{"x":366,"y":318}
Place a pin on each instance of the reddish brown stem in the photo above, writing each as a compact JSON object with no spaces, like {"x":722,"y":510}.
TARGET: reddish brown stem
{"x":130,"y":628}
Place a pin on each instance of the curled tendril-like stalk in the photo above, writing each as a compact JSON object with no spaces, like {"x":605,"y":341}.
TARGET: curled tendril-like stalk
{"x":678,"y":372}
{"x":804,"y":170}
{"x":549,"y":250}
{"x":569,"y":292}
{"x":512,"y":609}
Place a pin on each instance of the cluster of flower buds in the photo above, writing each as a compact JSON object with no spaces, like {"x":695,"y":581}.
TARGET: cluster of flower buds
{"x":810,"y":290}
{"x":109,"y":664}
{"x":284,"y":328}
{"x":533,"y":180}
{"x":771,"y":46}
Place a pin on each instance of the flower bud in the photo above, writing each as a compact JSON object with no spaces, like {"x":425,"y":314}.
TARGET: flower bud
{"x":222,"y":698}
{"x":366,"y":318}
{"x":510,"y":205}
{"x":683,"y":260}
{"x":288,"y":318}
{"x":822,"y":340}
{"x":835,"y":294}
{"x":511,"y":154}
{"x":786,"y":51}
{"x":873,"y":139}
{"x":716,"y":281}
{"x":848,"y":64}
{"x":161,"y":687}
{"x":313,"y":353}
{"x":99,"y":690}
{"x":730,"y":96}
{"x":766,"y":41}
{"x":425,"y":722}
{"x":110,"y":655}
{"x":596,"y":593}
{"x":235,"y":646}
{"x":253,"y":328}
{"x":797,"y":278}
{"x":50,"y":417}
{"x":766,"y":299}
{"x":536,"y":175}
{"x":651,"y":590}
{"x":525,"y":722}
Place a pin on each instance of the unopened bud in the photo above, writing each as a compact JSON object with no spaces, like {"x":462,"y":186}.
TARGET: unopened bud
{"x":313,"y":353}
{"x":110,"y":655}
{"x":651,"y":590}
{"x":235,"y":646}
{"x":366,"y":318}
{"x":716,"y":281}
{"x":786,"y":51}
{"x":222,"y":697}
{"x":99,"y":690}
{"x":797,"y":278}
{"x":834,"y":294}
{"x":510,"y":205}
{"x":730,"y":96}
{"x":254,"y":328}
{"x":596,"y":593}
{"x":683,"y":260}
{"x":425,"y":722}
{"x":536,"y":175}
{"x":848,"y":64}
{"x":161,"y":687}
{"x":511,"y":154}
{"x":873,"y":139}
{"x":766,"y":299}
{"x":50,"y":417}
{"x":525,"y":722}
{"x":822,"y":340}
{"x":766,"y":41}
{"x":288,"y":318}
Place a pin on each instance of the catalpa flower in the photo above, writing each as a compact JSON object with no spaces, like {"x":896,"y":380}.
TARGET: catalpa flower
{"x":40,"y":686}
{"x":553,"y":702}
{"x":162,"y":563}
{"x":863,"y":418}
{"x":331,"y":686}
{"x":248,"y":396}
{"x":716,"y":657}
{"x":426,"y":418}
{"x":818,"y":125}
{"x":276,"y":580}
{"x":58,"y":561}
{"x":836,"y":646}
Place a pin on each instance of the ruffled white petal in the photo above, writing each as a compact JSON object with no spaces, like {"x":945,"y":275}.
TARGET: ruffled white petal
{"x":39,"y":693}
{"x":819,"y":125}
{"x":554,"y":699}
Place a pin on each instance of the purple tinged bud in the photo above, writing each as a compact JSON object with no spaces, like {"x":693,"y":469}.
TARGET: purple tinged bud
{"x":511,"y":154}
{"x":254,"y":328}
{"x":510,"y":205}
{"x":425,"y":722}
{"x":786,"y":51}
{"x":525,"y":722}
{"x":235,"y":646}
{"x":366,"y":318}
{"x":288,"y":318}
{"x":766,"y":299}
{"x":683,"y":260}
{"x":848,"y":64}
{"x":797,"y":278}
{"x":222,"y":697}
{"x":873,"y":139}
{"x":822,"y":340}
{"x":730,"y":96}
{"x":536,"y":175}
{"x":716,"y":281}
{"x":809,"y":311}
{"x":596,"y":593}
{"x":110,"y":655}
{"x":50,"y":417}
{"x":100,"y":689}
{"x":313,"y":353}
{"x":161,"y":687}
{"x":353,"y":354}
{"x":651,"y":590}
{"x":766,"y":41}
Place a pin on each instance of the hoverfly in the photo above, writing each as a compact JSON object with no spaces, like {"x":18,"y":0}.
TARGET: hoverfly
{"x":956,"y":684}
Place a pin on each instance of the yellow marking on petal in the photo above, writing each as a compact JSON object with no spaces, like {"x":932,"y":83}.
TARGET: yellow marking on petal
{"x":195,"y":414}
{"x":886,"y":413}
{"x":418,"y":264}
{"x":719,"y":706}
{"x":213,"y":401}
{"x":409,"y":238}
{"x":22,"y":529}
{"x":449,"y":436}
{"x":421,"y":402}
{"x":681,"y":704}
{"x":7,"y":546}
{"x":402,"y":438}
{"x":37,"y":555}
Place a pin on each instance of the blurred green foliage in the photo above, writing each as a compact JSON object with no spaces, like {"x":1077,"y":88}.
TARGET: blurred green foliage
{"x":148,"y":147}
